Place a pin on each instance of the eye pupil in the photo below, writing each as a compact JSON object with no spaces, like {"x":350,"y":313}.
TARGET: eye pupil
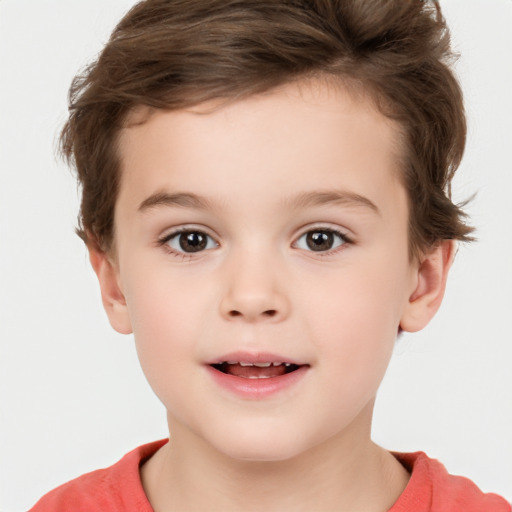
{"x":320,"y":240}
{"x":193,"y":241}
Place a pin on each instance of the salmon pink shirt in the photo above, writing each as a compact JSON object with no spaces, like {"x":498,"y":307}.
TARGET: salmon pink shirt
{"x":119,"y":489}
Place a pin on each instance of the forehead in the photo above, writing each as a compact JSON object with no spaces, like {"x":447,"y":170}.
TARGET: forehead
{"x":301,"y":126}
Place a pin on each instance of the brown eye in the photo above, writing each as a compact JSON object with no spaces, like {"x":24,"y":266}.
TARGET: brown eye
{"x":321,"y":240}
{"x":190,"y":241}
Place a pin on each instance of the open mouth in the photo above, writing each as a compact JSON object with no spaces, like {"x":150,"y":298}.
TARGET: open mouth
{"x":265,"y":370}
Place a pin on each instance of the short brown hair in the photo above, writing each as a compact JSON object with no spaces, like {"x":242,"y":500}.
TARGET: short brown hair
{"x":171,"y":54}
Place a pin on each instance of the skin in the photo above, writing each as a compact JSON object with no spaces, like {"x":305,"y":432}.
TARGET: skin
{"x":259,"y":287}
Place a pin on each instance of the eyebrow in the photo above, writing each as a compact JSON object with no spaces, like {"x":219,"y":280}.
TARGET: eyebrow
{"x":182,"y":199}
{"x":304,"y":200}
{"x":344,"y":198}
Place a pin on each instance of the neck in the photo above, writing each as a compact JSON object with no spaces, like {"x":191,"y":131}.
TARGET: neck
{"x":343,"y":474}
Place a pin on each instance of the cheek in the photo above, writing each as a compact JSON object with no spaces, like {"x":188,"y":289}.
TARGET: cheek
{"x":167,"y":320}
{"x":162,"y":303}
{"x":354,"y":323}
{"x":359,"y":303}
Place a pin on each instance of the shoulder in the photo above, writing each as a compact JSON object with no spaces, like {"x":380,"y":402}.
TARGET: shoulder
{"x":432,"y":489}
{"x":115,"y":488}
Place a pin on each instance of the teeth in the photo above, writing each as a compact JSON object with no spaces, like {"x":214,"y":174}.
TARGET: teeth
{"x":259,"y":365}
{"x":254,"y":377}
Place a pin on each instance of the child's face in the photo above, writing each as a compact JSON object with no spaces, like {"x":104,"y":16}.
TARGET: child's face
{"x":270,"y":230}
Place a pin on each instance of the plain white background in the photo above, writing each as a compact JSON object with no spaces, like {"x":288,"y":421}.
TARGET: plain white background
{"x":73,"y":397}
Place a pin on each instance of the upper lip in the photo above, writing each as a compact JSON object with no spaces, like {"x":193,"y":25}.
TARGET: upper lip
{"x":254,"y":358}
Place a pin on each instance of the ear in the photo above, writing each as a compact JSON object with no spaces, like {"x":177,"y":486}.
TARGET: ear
{"x":111,"y":293}
{"x":430,"y":276}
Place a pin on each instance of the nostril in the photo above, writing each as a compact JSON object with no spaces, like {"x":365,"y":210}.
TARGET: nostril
{"x":268,"y":313}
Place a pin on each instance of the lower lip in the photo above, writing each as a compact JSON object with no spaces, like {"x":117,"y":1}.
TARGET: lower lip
{"x":257,"y":388}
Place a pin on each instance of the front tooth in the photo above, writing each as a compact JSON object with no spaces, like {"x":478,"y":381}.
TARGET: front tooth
{"x":242,"y":363}
{"x":232,"y":362}
{"x":262,"y":365}
{"x":287,"y":364}
{"x":277,"y":364}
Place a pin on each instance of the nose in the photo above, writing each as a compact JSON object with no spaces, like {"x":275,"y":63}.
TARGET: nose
{"x":254,"y":291}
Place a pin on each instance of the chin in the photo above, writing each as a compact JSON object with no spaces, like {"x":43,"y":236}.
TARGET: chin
{"x":265,"y":454}
{"x":273,"y":447}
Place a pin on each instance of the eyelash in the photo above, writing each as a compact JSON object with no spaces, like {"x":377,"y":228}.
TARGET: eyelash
{"x":343,"y":237}
{"x":164,"y":241}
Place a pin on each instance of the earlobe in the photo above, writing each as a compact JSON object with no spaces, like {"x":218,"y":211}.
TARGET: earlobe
{"x":430,"y":283}
{"x":112,"y":295}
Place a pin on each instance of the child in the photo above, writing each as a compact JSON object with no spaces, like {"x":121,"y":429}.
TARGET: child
{"x":264,"y":200}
